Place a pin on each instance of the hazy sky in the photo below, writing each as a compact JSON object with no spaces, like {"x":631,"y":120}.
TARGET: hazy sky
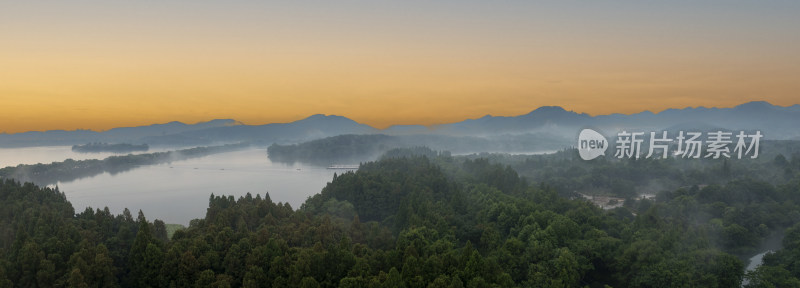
{"x":102,"y":64}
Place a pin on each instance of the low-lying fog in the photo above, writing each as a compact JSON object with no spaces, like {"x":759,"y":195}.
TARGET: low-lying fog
{"x":50,"y":154}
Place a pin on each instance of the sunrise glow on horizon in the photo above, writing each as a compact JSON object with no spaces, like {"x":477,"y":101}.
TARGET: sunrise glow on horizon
{"x":103,"y":64}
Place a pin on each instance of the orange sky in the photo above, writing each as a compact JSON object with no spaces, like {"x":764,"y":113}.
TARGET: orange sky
{"x":97,"y":65}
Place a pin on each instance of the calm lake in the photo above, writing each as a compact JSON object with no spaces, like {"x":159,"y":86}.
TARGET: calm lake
{"x":178,"y":192}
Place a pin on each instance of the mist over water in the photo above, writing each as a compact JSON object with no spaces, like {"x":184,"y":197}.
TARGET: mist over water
{"x":178,"y":192}
{"x":50,"y":154}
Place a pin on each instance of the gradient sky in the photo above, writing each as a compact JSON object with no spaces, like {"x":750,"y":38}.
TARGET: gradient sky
{"x":103,"y":64}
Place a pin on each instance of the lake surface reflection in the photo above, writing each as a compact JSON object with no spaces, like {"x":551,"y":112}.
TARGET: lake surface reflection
{"x":178,"y":192}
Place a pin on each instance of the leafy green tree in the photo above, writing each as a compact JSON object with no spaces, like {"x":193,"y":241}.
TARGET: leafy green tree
{"x":76,"y":279}
{"x":205,"y":279}
{"x":394,"y":279}
{"x":309,"y":282}
{"x":145,"y":257}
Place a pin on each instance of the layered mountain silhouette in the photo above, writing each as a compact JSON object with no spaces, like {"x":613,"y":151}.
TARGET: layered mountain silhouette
{"x":220,"y":131}
{"x":119,"y":135}
{"x":774,"y":122}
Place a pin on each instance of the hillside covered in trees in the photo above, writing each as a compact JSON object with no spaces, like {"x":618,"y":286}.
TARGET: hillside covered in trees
{"x":356,"y":148}
{"x":411,"y":220}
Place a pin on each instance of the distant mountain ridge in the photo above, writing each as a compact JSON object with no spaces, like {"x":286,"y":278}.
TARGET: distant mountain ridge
{"x":115,"y":135}
{"x":219,"y":131}
{"x":775,"y":122}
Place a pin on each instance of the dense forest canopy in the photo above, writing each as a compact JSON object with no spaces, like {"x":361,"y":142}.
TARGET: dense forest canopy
{"x":421,"y":218}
